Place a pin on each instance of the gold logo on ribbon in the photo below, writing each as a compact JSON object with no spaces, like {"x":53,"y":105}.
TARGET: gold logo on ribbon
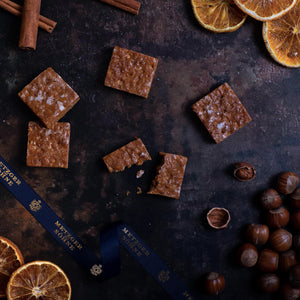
{"x":96,"y":270}
{"x":35,"y":205}
{"x":163,"y":276}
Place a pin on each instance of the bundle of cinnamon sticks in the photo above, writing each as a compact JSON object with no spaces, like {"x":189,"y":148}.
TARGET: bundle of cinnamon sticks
{"x":31,"y":20}
{"x":131,"y":6}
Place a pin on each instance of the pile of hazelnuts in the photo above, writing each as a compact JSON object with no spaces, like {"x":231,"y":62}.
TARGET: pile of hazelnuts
{"x":278,"y":255}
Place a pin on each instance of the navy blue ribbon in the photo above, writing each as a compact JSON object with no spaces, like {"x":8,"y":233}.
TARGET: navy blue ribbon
{"x":110,"y":238}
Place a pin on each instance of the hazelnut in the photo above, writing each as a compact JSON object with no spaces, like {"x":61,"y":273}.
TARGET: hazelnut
{"x":287,"y":292}
{"x":294,"y":276}
{"x":244,"y":171}
{"x":295,"y":198}
{"x":296,"y":242}
{"x":247,"y":255}
{"x":295,"y":220}
{"x":281,"y":240}
{"x":267,"y":261}
{"x":218,"y":217}
{"x":270,"y":199}
{"x":214,"y":283}
{"x":287,"y":182}
{"x":268,"y":283}
{"x":278,"y":217}
{"x":287,"y":259}
{"x":257,"y":234}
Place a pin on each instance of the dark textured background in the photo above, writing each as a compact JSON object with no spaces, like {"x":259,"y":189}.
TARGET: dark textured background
{"x":192,"y":62}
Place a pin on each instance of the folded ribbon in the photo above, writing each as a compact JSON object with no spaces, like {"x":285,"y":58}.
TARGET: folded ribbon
{"x":110,"y":238}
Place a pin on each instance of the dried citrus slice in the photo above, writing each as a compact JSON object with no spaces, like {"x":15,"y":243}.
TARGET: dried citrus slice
{"x":282,"y":38}
{"x":39,"y":280}
{"x":218,"y":15}
{"x":10,"y":260}
{"x":265,"y":10}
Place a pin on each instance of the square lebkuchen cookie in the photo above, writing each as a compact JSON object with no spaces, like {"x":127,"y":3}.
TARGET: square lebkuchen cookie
{"x":48,"y":147}
{"x":221,"y":112}
{"x":169,"y":177}
{"x":131,"y":72}
{"x":134,"y":152}
{"x":49,"y":97}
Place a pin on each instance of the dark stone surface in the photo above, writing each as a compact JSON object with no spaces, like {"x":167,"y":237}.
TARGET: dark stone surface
{"x":192,"y":62}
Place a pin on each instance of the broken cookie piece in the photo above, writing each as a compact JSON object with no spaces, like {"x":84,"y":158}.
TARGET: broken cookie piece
{"x":169,"y":177}
{"x":131,"y":72}
{"x":134,"y":152}
{"x":48,"y":147}
{"x":221,"y":112}
{"x":49,"y":97}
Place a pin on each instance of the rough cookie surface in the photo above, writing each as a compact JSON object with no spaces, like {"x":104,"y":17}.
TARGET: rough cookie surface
{"x":131,"y":72}
{"x":48,"y":147}
{"x":134,"y":152}
{"x":49,"y":97}
{"x":221,"y":112}
{"x":169,"y":177}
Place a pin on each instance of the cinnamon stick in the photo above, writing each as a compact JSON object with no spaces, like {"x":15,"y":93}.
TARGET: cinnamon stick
{"x":131,"y":6}
{"x":16,"y":10}
{"x":30,"y":24}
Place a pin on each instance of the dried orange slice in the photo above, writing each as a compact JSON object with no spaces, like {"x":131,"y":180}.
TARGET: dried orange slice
{"x":39,"y":280}
{"x":10,"y":260}
{"x":265,"y":10}
{"x":218,"y":15}
{"x":282,"y":38}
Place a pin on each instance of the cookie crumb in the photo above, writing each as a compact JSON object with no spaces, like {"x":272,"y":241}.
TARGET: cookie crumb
{"x":114,"y":217}
{"x":140,"y":173}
